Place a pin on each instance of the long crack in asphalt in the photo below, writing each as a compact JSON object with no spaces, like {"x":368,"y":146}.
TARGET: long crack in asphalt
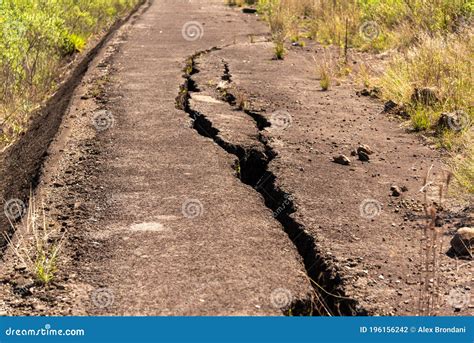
{"x":330,"y":298}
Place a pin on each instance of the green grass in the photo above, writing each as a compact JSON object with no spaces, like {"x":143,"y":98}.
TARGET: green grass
{"x":325,"y":81}
{"x":36,"y":39}
{"x":279,"y":47}
{"x":420,"y":118}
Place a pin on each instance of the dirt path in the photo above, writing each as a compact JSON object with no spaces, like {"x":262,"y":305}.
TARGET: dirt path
{"x":211,"y":191}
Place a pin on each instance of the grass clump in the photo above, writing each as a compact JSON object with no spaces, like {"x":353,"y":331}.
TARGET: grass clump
{"x":443,"y":65}
{"x":279,"y":49}
{"x":37,"y":246}
{"x":324,"y":73}
{"x":440,"y":63}
{"x":325,"y":81}
{"x":36,"y":38}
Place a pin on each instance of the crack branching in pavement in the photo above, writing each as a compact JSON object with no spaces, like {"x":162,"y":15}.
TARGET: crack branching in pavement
{"x":253,"y":171}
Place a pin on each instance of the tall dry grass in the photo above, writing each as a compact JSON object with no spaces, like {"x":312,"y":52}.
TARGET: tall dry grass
{"x":431,"y":44}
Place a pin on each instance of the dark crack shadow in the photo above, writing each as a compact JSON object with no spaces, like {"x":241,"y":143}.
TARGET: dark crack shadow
{"x":253,"y":165}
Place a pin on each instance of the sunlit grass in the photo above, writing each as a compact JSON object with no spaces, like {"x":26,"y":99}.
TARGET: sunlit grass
{"x":36,"y":39}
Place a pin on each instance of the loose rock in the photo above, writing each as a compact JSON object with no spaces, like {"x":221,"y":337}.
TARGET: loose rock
{"x":365,"y":149}
{"x":364,"y":157}
{"x":342,"y":159}
{"x":463,"y":242}
{"x":396,"y":191}
{"x":389,"y":106}
{"x":455,"y":121}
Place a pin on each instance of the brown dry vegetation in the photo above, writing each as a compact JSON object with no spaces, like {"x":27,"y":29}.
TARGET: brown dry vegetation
{"x":431,"y":47}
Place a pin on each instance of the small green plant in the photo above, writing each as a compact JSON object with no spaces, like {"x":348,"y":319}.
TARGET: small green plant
{"x":46,"y":264}
{"x":324,"y":70}
{"x":238,"y":169}
{"x":279,"y":49}
{"x":73,"y":43}
{"x":420,"y":118}
{"x":325,"y":81}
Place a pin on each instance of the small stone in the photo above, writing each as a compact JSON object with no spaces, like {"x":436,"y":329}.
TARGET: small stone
{"x":463,"y":242}
{"x":79,"y":206}
{"x":396,"y":191}
{"x":363,"y":156}
{"x":223,"y":85}
{"x":249,"y":10}
{"x":365,"y":149}
{"x":20,"y":267}
{"x":364,"y":92}
{"x":342,"y":159}
{"x":390,"y":105}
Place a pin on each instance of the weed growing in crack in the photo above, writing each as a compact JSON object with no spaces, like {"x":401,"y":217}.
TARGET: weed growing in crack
{"x":238,"y":169}
{"x":241,"y":101}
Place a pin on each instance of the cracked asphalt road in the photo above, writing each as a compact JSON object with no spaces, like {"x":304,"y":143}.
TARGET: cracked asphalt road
{"x":158,"y":221}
